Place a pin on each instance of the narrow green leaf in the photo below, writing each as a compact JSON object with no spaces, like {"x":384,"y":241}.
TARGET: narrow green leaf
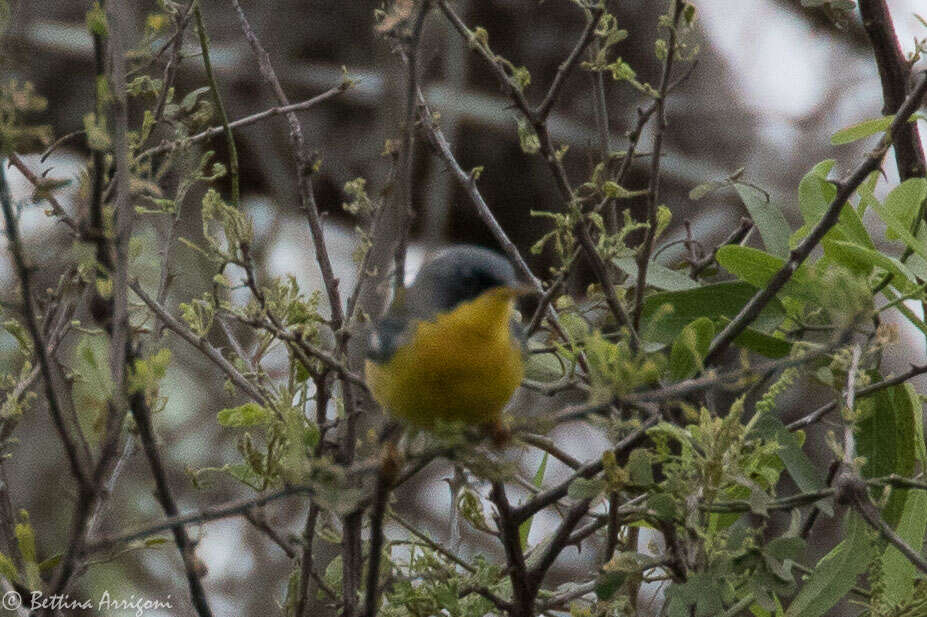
{"x":904,"y":202}
{"x":898,"y":573}
{"x":815,"y":193}
{"x":761,"y":343}
{"x":658,"y":276}
{"x":864,"y":129}
{"x":861,"y":130}
{"x":690,"y":348}
{"x":768,"y":218}
{"x":898,"y":227}
{"x":525,"y":528}
{"x":836,"y":573}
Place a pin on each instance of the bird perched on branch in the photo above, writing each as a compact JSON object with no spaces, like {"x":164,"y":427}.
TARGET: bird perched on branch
{"x":449,"y":348}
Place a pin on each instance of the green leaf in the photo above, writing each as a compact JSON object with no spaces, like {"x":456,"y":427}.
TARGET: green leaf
{"x":903,"y":203}
{"x":666,"y":313}
{"x":608,"y":584}
{"x":525,"y":528}
{"x":864,"y":129}
{"x":806,"y":475}
{"x":899,"y":229}
{"x":863,"y":259}
{"x":583,"y":488}
{"x":898,"y":573}
{"x":8,"y":569}
{"x":836,"y":573}
{"x":861,"y":130}
{"x":690,"y":348}
{"x":920,"y":446}
{"x":815,"y":193}
{"x":249,"y":414}
{"x":702,"y":592}
{"x":757,"y":268}
{"x":616,"y":191}
{"x":768,"y":218}
{"x":658,"y":276}
{"x":51,"y":562}
{"x":886,"y":438}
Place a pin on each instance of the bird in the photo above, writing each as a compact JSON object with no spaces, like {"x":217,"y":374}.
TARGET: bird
{"x":448,"y":349}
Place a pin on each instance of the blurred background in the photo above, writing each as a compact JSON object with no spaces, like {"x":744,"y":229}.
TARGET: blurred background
{"x":773,"y":81}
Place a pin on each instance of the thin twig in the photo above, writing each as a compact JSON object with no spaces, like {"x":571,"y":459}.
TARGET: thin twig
{"x":653,"y":190}
{"x":233,"y":508}
{"x":213,"y":131}
{"x":220,"y":106}
{"x":566,"y":68}
{"x":404,"y":211}
{"x":202,"y":344}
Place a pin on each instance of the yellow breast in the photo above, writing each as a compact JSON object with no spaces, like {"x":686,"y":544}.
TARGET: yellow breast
{"x":462,"y":366}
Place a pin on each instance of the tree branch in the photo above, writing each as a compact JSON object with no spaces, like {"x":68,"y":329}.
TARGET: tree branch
{"x":798,"y":255}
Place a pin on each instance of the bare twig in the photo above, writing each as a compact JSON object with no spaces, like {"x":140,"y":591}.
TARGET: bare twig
{"x":871,"y":515}
{"x":233,"y":508}
{"x":522,"y":592}
{"x":822,"y":411}
{"x":213,"y":131}
{"x":564,"y":70}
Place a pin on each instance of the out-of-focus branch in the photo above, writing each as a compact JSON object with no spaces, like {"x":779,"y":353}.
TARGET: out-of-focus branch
{"x":845,"y":188}
{"x":30,"y":314}
{"x":555,"y":493}
{"x":234,"y":508}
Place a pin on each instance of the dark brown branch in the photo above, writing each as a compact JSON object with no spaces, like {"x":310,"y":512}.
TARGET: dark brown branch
{"x":871,"y":514}
{"x":894,"y":73}
{"x":523,"y":591}
{"x":845,"y":188}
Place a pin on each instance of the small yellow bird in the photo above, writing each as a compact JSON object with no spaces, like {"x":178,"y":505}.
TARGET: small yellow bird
{"x":449,"y":347}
